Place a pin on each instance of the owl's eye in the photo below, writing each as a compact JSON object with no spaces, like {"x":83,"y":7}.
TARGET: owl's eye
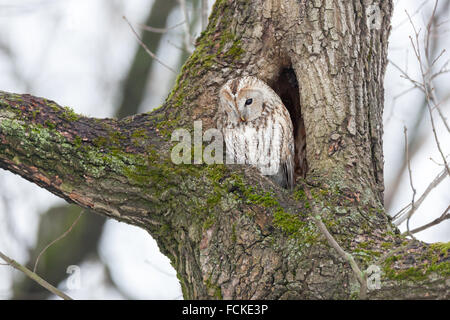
{"x":248,"y":102}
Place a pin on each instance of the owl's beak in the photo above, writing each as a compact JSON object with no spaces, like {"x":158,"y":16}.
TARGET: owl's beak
{"x":243,"y":119}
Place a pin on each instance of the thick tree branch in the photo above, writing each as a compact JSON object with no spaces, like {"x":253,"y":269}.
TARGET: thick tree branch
{"x":86,"y":161}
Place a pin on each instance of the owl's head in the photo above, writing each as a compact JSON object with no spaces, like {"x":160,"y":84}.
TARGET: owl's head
{"x":243,"y":99}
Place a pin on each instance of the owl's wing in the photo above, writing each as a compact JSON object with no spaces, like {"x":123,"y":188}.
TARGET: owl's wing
{"x":285,"y":175}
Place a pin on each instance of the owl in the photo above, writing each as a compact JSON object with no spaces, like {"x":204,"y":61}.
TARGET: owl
{"x":257,"y":129}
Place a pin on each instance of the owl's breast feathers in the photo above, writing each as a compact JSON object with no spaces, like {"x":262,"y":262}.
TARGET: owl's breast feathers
{"x":264,"y":137}
{"x":264,"y":143}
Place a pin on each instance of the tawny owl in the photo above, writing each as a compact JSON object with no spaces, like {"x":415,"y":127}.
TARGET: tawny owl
{"x":257,"y":128}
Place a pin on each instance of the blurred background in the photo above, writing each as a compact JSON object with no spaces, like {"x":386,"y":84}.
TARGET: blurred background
{"x":83,"y":54}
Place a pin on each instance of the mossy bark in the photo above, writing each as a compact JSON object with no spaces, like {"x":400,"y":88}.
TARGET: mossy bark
{"x":228,"y":231}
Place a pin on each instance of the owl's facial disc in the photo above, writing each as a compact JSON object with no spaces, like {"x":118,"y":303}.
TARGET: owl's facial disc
{"x":249,"y":103}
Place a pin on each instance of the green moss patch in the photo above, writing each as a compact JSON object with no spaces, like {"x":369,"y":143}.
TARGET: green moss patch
{"x":432,"y":259}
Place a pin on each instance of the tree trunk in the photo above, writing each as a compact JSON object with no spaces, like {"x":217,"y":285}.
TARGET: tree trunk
{"x":230,"y":232}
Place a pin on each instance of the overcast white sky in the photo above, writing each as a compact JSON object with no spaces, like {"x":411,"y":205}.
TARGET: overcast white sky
{"x":77,"y":52}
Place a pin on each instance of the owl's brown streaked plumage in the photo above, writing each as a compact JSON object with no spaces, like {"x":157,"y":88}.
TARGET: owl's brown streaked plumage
{"x":257,"y":128}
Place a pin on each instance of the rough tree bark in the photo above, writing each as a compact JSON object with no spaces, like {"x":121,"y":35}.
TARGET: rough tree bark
{"x":228,"y":231}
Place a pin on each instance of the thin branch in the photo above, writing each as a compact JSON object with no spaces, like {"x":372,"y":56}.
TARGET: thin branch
{"x":333,"y":243}
{"x":399,"y":95}
{"x":433,"y":46}
{"x":436,"y":139}
{"x":428,"y":90}
{"x":187,"y":35}
{"x":421,"y":87}
{"x":204,"y":14}
{"x":34,"y":277}
{"x":437,"y":58}
{"x":177,"y":46}
{"x":444,"y":119}
{"x":408,"y":161}
{"x":402,"y":215}
{"x":415,"y":13}
{"x":442,"y":71}
{"x":436,"y":162}
{"x":426,"y":87}
{"x":405,"y":75}
{"x":56,"y":240}
{"x":159,"y":30}
{"x":443,"y":217}
{"x":431,"y":23}
{"x":151,"y":54}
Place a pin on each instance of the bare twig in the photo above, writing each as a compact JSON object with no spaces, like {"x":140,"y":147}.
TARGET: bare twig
{"x":444,"y":120}
{"x":204,"y":14}
{"x":159,"y":30}
{"x":399,"y":95}
{"x":437,"y":58}
{"x":408,"y":161}
{"x":430,"y":24}
{"x":426,"y":84}
{"x":431,"y":103}
{"x":151,"y":54}
{"x":56,"y":240}
{"x":443,"y":217}
{"x":442,"y":71}
{"x":415,"y":13}
{"x":34,"y":277}
{"x":177,"y":46}
{"x":408,"y":211}
{"x":187,"y":34}
{"x":406,"y":76}
{"x":333,"y":243}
